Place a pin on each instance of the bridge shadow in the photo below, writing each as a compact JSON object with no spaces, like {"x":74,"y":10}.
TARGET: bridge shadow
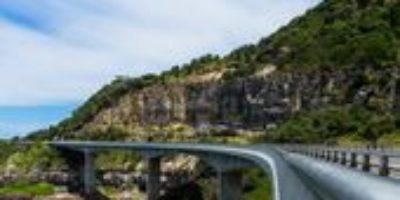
{"x":190,"y":191}
{"x":96,"y":195}
{"x":77,"y":188}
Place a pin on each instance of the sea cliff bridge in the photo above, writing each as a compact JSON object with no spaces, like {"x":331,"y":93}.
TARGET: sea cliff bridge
{"x":297,"y":172}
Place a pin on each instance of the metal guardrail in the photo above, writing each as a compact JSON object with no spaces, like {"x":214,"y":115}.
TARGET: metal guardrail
{"x":335,"y":182}
{"x":356,"y":158}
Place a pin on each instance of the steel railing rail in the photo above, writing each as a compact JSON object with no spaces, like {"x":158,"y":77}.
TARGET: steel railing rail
{"x":351,"y":157}
{"x":332,"y":181}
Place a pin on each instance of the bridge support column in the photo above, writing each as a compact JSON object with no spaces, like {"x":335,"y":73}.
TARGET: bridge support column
{"x":89,"y":179}
{"x":229,"y":174}
{"x":229,"y":185}
{"x":153,"y":178}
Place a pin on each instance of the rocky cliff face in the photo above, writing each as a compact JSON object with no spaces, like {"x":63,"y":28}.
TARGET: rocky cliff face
{"x":251,"y":102}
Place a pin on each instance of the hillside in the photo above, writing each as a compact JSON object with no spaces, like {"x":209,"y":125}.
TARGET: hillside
{"x":340,"y":54}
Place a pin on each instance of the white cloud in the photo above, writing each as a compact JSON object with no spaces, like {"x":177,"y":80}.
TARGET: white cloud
{"x":79,"y":45}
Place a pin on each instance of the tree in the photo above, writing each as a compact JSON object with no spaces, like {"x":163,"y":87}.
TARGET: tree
{"x":376,"y":127}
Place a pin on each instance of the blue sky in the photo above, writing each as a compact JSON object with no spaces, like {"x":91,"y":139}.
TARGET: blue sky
{"x":55,"y":53}
{"x":34,"y":117}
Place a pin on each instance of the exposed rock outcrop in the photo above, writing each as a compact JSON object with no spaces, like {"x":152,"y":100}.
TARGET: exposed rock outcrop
{"x":249,"y":102}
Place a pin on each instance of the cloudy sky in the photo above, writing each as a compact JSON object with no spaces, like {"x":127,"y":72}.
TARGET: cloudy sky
{"x":55,"y":53}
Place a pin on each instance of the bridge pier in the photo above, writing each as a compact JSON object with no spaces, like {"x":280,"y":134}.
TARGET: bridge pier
{"x":229,"y":185}
{"x":153,"y":178}
{"x":89,"y":178}
{"x":229,"y":175}
{"x":81,"y":167}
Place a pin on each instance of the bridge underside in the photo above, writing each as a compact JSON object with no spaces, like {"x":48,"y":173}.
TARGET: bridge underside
{"x":293,"y":176}
{"x":229,"y":177}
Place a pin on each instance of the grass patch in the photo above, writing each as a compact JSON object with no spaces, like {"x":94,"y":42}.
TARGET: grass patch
{"x":259,"y":185}
{"x":25,"y":188}
{"x":351,"y":140}
{"x":108,"y":191}
{"x":390,"y":140}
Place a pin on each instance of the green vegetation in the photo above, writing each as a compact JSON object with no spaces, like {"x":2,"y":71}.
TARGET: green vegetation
{"x":40,"y":157}
{"x":258,"y":185}
{"x":200,"y":65}
{"x":113,"y":193}
{"x":25,"y":188}
{"x":392,"y":139}
{"x":37,"y":157}
{"x":333,"y":123}
{"x":106,"y":97}
{"x":337,"y":34}
{"x":327,"y":35}
{"x":6,"y":149}
{"x":117,"y":160}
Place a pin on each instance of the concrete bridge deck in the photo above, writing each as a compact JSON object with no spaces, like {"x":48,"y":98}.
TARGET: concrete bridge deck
{"x":294,"y":176}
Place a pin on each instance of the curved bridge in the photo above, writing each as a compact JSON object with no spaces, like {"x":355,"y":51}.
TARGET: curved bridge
{"x":294,"y":176}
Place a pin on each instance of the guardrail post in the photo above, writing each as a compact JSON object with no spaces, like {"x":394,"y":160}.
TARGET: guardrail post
{"x":335,"y":156}
{"x":384,"y":166}
{"x":366,"y":165}
{"x":328,"y":155}
{"x":353,"y":160}
{"x":305,"y":151}
{"x":321,"y":154}
{"x":316,"y":154}
{"x":343,"y":159}
{"x":153,"y":178}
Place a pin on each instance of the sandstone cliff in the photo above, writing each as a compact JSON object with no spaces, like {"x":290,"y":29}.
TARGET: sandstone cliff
{"x":252,"y":102}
